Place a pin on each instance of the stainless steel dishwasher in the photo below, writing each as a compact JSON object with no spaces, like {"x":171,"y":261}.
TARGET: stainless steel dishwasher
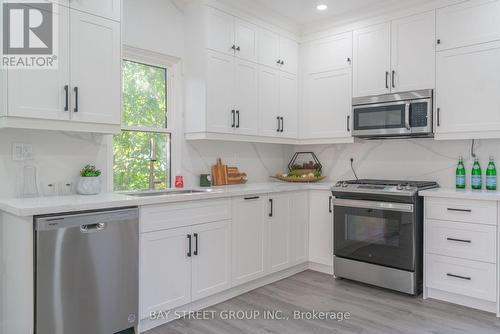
{"x":86,"y":272}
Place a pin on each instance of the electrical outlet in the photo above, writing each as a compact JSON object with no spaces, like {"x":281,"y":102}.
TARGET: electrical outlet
{"x":22,"y":152}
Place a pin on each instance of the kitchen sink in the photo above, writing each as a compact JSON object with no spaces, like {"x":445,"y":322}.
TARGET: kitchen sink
{"x":168,"y":192}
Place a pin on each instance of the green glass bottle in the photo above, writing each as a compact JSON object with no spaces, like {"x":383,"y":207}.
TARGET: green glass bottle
{"x":491,"y":175}
{"x":460,"y":174}
{"x":477,"y":177}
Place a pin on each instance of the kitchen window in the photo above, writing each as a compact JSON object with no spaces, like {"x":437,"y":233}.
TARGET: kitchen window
{"x":145,"y":125}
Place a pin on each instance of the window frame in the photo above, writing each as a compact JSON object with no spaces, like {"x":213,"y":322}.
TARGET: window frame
{"x":171,"y":64}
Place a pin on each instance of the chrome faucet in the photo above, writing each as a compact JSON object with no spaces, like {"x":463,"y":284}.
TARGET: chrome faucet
{"x":152,"y":159}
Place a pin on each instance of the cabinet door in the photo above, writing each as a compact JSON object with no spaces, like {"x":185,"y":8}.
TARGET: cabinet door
{"x":328,"y":101}
{"x":372,"y":60}
{"x":467,"y":23}
{"x":247,"y":97}
{"x":289,"y":55}
{"x":278,"y":233}
{"x":413,"y":53}
{"x":211,"y":262}
{"x":41,"y":93}
{"x":248,"y":239}
{"x":269,"y":101}
{"x":467,"y":86}
{"x":289,"y":104}
{"x":165,"y":270}
{"x":95,"y":69}
{"x":328,"y":54}
{"x":299,"y":227}
{"x":246,"y":40}
{"x":110,"y":9}
{"x":220,"y":31}
{"x":220,"y":92}
{"x":269,"y":48}
{"x":321,"y":228}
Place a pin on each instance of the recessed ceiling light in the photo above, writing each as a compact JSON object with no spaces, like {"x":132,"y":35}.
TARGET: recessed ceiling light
{"x":321,"y":7}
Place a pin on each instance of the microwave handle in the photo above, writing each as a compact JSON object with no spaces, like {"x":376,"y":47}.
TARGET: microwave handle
{"x":407,"y":116}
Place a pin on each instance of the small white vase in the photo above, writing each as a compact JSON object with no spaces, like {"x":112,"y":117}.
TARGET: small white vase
{"x":89,"y":185}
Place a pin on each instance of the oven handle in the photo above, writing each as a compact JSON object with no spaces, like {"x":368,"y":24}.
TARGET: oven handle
{"x":390,"y":206}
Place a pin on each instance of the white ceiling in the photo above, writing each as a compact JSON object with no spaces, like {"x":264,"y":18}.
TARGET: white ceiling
{"x":304,"y":11}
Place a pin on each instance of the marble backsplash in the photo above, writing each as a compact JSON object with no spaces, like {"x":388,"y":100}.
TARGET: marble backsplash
{"x":408,"y":159}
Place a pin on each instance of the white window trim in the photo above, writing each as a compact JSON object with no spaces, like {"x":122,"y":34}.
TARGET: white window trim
{"x":173,"y":66}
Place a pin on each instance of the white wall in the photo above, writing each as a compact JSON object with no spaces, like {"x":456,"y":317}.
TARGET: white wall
{"x":412,"y":159}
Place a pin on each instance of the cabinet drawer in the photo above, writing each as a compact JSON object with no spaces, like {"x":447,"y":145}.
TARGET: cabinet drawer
{"x":467,"y":211}
{"x":166,"y":216}
{"x":463,"y":240}
{"x":464,"y":277}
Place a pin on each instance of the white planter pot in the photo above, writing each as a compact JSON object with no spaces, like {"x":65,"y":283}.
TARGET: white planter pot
{"x":89,"y":185}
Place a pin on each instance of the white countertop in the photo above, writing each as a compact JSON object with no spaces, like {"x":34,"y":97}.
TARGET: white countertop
{"x":462,"y":194}
{"x":59,"y":204}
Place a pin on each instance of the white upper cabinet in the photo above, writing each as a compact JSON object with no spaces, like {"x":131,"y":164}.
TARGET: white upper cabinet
{"x":220,"y":31}
{"x":289,"y":105}
{"x":269,"y":101}
{"x":467,"y":23}
{"x":246,"y":37}
{"x":372,"y":60}
{"x":328,"y":54}
{"x":84,"y":92}
{"x":289,"y":55}
{"x":110,"y":9}
{"x":327,"y":105}
{"x":95,"y":76}
{"x":247,"y":97}
{"x":413,"y":53}
{"x":467,"y":98}
{"x":220,"y":93}
{"x":269,"y":48}
{"x":44,"y":94}
{"x":278,"y":52}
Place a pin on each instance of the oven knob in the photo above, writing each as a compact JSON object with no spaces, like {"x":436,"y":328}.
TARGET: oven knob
{"x":338,"y":184}
{"x":400,"y":187}
{"x":345,"y":185}
{"x":408,"y":186}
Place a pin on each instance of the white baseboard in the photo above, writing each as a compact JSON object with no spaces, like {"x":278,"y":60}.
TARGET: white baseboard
{"x":147,"y":324}
{"x":453,"y":298}
{"x":322,"y":268}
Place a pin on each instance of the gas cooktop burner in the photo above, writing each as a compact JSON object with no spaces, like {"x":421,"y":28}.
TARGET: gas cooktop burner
{"x":391,"y":187}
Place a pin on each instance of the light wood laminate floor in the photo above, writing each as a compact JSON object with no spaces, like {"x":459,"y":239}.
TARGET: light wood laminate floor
{"x":372,"y":310}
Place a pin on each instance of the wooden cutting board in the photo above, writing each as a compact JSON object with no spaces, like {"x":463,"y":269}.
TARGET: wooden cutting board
{"x":219,"y":173}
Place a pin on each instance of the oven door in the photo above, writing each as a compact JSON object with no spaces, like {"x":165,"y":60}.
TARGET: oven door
{"x":382,"y":119}
{"x":381,"y":233}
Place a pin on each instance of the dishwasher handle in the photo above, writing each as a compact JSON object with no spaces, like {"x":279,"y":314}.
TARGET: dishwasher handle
{"x":92,"y":228}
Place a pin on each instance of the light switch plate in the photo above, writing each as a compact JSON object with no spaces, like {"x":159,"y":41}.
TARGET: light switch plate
{"x":22,"y":152}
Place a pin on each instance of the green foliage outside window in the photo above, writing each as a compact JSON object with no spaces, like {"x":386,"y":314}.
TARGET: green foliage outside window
{"x":144,"y":107}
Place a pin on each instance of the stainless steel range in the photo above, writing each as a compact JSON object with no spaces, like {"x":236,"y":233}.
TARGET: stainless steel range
{"x":378,"y":229}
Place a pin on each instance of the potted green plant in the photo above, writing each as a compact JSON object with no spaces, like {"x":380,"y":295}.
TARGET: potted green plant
{"x":90,"y":181}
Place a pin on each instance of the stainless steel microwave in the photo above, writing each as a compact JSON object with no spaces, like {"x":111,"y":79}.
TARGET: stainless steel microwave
{"x":407,"y":114}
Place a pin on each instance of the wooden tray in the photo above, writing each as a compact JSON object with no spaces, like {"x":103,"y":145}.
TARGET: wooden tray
{"x":299,"y":179}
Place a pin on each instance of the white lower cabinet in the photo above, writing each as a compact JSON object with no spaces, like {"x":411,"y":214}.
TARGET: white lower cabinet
{"x":460,"y":245}
{"x":278,"y":231}
{"x":248,"y":238}
{"x":211,"y":261}
{"x":165,"y":270}
{"x":185,"y":264}
{"x":321,"y":228}
{"x":299,"y":227}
